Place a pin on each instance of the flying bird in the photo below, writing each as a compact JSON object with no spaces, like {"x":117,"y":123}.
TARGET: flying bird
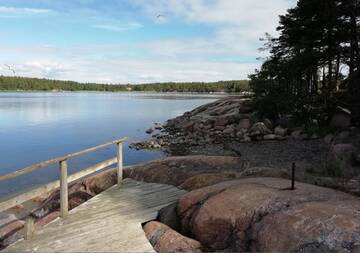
{"x":10,"y":69}
{"x":160,"y":16}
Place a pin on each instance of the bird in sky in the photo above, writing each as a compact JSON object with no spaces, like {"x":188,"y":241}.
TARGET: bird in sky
{"x":160,"y":16}
{"x":10,"y":69}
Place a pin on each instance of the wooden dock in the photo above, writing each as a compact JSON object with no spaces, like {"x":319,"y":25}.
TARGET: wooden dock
{"x":109,"y":222}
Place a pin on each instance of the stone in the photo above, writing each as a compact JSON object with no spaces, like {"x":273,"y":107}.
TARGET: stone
{"x":221,"y":121}
{"x":260,"y":129}
{"x":47,"y":219}
{"x":168,"y":216}
{"x":11,"y":228}
{"x":240,"y":134}
{"x":229,"y":131}
{"x":341,"y":118}
{"x":204,"y":180}
{"x":176,"y":170}
{"x":270,"y":137}
{"x":150,"y":131}
{"x":268,"y":123}
{"x":280,"y":131}
{"x":165,"y":240}
{"x":247,"y":138}
{"x":252,"y":215}
{"x":330,"y":226}
{"x":245,"y":124}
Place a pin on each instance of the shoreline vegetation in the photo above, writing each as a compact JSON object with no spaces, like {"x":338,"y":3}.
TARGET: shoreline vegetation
{"x":8,"y":83}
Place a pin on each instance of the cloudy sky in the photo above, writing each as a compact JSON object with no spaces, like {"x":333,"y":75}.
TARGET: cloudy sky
{"x":135,"y":41}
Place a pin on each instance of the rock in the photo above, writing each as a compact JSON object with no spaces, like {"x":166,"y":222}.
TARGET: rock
{"x":100,"y":182}
{"x":341,"y":118}
{"x":268,"y":123}
{"x":176,"y":170}
{"x":247,"y":138}
{"x":168,"y":216}
{"x":329,"y":138}
{"x":245,"y":124}
{"x":165,"y":240}
{"x":47,"y":219}
{"x":150,"y":131}
{"x":270,"y":137}
{"x":329,"y":226}
{"x":264,"y":172}
{"x":223,"y":121}
{"x":260,"y":129}
{"x":240,"y":134}
{"x":10,"y":229}
{"x":230,"y":216}
{"x":343,"y":150}
{"x":229,"y":131}
{"x":280,"y":131}
{"x":203,"y":180}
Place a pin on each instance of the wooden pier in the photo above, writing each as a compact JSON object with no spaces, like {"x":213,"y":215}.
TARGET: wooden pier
{"x":109,"y":222}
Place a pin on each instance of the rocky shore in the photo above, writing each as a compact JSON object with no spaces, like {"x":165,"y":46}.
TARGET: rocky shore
{"x":236,"y":169}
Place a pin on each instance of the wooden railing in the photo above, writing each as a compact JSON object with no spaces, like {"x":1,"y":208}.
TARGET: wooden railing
{"x":63,"y":181}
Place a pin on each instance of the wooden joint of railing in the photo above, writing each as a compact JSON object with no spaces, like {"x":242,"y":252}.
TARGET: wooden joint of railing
{"x":64,"y":198}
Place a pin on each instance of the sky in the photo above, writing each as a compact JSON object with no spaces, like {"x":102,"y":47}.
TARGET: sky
{"x":135,"y":41}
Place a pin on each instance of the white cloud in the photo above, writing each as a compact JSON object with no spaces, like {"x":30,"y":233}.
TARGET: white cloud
{"x":21,"y":12}
{"x":236,"y":26}
{"x":119,"y":27}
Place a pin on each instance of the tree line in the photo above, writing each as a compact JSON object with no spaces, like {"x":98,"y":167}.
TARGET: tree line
{"x":314,"y":63}
{"x":34,"y":84}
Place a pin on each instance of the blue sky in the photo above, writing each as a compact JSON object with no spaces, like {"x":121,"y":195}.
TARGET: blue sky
{"x":124,"y":41}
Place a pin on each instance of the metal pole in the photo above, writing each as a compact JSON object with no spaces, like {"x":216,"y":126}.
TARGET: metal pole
{"x":293,"y":176}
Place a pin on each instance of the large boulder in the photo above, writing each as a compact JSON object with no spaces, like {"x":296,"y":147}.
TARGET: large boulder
{"x":331,"y":226}
{"x":166,"y":240}
{"x":230,"y":216}
{"x":206,"y":179}
{"x":176,"y":170}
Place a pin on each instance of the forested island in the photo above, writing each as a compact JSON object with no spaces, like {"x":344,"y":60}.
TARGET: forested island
{"x":35,"y":84}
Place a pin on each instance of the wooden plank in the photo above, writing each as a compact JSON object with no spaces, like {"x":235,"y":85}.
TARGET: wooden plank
{"x":113,"y":226}
{"x":64,"y":196}
{"x":38,"y":166}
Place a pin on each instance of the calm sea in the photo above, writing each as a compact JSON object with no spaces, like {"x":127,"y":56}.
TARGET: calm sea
{"x":35,"y":127}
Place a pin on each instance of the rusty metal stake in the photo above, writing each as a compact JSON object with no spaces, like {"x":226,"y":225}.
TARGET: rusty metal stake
{"x":293,"y":176}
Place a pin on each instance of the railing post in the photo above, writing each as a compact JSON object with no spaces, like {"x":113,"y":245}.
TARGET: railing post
{"x":29,"y":227}
{"x":64,"y":202}
{"x":119,"y":162}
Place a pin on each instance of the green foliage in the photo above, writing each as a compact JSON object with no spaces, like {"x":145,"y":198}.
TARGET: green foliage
{"x":302,"y":76}
{"x":34,"y":84}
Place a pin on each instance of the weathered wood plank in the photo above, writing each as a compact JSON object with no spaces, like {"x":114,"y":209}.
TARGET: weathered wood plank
{"x":41,"y":165}
{"x":109,"y":222}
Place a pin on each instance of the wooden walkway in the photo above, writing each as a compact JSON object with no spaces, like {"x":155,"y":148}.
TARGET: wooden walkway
{"x":109,"y":222}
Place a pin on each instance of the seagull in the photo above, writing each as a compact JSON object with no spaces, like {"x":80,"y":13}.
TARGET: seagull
{"x":160,"y":16}
{"x":10,"y":68}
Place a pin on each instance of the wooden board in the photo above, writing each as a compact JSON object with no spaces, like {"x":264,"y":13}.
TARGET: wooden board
{"x":109,"y":222}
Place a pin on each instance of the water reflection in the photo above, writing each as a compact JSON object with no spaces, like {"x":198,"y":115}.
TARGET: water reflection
{"x":38,"y":126}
